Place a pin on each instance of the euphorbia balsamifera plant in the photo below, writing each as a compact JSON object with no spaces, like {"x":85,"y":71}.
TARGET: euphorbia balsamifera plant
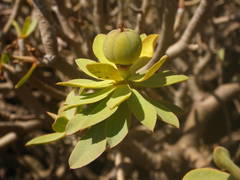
{"x":102,"y":109}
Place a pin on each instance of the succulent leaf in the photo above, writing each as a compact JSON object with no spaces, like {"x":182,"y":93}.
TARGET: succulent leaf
{"x":117,"y":126}
{"x":151,"y":71}
{"x":144,"y":111}
{"x":160,"y":79}
{"x":90,"y":146}
{"x":26,"y":76}
{"x":82,"y":63}
{"x":60,"y":124}
{"x":165,"y":114}
{"x":90,"y":116}
{"x":208,"y":174}
{"x":122,"y":93}
{"x":86,"y":83}
{"x":47,"y":138}
{"x":28,"y":27}
{"x":89,"y":98}
{"x":104,"y":71}
{"x":98,"y":49}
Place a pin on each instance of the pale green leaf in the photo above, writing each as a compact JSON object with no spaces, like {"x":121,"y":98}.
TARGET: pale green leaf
{"x":92,"y":115}
{"x":71,"y":112}
{"x":46,"y":138}
{"x":60,"y":124}
{"x":207,"y":174}
{"x":104,"y":71}
{"x":162,"y":79}
{"x":89,"y":98}
{"x":28,"y":27}
{"x":26,"y":24}
{"x":17,"y":28}
{"x":166,"y":114}
{"x":122,"y":93}
{"x":152,"y":70}
{"x":98,"y":49}
{"x":26,"y":76}
{"x":82,"y":63}
{"x":86,"y":83}
{"x":90,"y":147}
{"x":117,"y":126}
{"x":144,"y":111}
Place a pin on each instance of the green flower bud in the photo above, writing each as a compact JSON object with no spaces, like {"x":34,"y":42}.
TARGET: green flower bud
{"x":122,"y":46}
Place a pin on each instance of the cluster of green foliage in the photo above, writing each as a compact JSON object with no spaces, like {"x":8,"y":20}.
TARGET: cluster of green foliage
{"x":102,"y":109}
{"x":28,"y":27}
{"x":221,"y":157}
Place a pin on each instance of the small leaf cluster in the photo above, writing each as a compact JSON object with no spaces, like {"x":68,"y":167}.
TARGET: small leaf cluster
{"x":222,"y":159}
{"x":28,"y":27}
{"x":102,"y":109}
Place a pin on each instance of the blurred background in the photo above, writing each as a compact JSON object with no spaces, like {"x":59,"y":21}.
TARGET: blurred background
{"x":202,"y":39}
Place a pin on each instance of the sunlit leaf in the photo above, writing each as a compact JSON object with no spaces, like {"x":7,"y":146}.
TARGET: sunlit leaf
{"x":86,"y":83}
{"x":89,"y":98}
{"x":207,"y":174}
{"x":46,"y":138}
{"x":26,"y":76}
{"x":17,"y":28}
{"x":98,"y":49}
{"x":82,"y":63}
{"x":152,"y":70}
{"x":166,"y":114}
{"x":117,"y":126}
{"x":71,"y":112}
{"x":144,"y":111}
{"x":28,"y":27}
{"x":148,"y":45}
{"x":92,"y":115}
{"x":60,"y":124}
{"x":104,"y":71}
{"x":32,"y":26}
{"x":90,"y":146}
{"x":122,"y":93}
{"x":160,"y":79}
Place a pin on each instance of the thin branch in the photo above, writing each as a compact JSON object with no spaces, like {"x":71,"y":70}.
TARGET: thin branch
{"x":141,"y":15}
{"x":49,"y":40}
{"x":8,"y":139}
{"x":193,"y":27}
{"x":169,"y":12}
{"x":98,"y":15}
{"x":12,"y":16}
